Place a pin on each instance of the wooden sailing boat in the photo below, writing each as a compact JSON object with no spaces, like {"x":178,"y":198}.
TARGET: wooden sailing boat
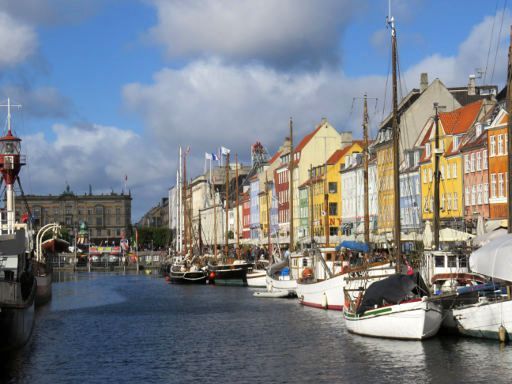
{"x":187,"y":270}
{"x":229,"y":272}
{"x":395,"y":306}
{"x":323,"y":287}
{"x":279,"y":280}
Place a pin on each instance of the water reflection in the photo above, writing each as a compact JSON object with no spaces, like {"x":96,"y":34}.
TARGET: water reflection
{"x":101,"y":328}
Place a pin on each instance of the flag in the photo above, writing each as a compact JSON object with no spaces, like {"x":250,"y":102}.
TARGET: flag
{"x":215,"y":157}
{"x":125,"y":177}
{"x":208,"y":156}
{"x":224,"y":150}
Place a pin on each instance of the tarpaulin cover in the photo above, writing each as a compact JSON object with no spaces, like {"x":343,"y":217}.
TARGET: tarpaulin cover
{"x":392,"y":290}
{"x":494,"y":259}
{"x":354,"y":245}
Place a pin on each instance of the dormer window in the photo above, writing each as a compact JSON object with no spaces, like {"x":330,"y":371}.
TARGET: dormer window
{"x":478,"y":128}
{"x":456,"y":142}
{"x":427,"y":149}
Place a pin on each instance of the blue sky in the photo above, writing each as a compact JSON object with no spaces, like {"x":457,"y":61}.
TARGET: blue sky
{"x":113,"y":87}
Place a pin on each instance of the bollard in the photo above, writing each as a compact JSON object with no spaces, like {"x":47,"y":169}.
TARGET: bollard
{"x":502,"y":334}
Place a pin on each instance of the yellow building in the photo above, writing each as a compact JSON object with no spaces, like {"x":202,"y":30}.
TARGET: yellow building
{"x":386,"y":192}
{"x":452,"y":128}
{"x":326,"y":181}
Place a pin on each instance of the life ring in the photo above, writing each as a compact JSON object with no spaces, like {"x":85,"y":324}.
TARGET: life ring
{"x":307,"y":273}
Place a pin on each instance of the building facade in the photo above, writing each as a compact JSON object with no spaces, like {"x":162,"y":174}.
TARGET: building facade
{"x":108,"y":216}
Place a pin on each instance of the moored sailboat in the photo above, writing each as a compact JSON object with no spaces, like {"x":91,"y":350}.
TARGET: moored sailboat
{"x":395,"y":306}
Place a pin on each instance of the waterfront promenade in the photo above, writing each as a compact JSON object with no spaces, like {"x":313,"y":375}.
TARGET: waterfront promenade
{"x":135,"y":328}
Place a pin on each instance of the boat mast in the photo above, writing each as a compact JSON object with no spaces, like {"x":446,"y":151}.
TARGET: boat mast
{"x":436,"y":179}
{"x":184,"y":197}
{"x":190,"y":219}
{"x":214,"y":223}
{"x":396,"y":145}
{"x":179,"y":207}
{"x":311,"y":204}
{"x":226,"y":247}
{"x":290,"y":193}
{"x":269,"y":244}
{"x":237,"y":209}
{"x":365,"y":172}
{"x":326,"y":208}
{"x":509,"y":130}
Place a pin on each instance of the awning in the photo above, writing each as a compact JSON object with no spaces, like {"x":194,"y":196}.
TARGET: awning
{"x":353,"y":245}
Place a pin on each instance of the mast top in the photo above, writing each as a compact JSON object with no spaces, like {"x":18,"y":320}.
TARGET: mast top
{"x":390,"y":20}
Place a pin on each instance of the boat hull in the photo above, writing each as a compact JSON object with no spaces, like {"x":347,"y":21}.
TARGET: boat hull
{"x":16,"y":316}
{"x":44,"y":289}
{"x":232,"y":275}
{"x":416,"y":320}
{"x":484,"y":320}
{"x":325,"y":294}
{"x":257,"y":279}
{"x":275,"y":285}
{"x":196,"y":277}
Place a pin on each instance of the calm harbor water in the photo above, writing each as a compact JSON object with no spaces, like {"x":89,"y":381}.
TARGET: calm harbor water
{"x":137,"y":329}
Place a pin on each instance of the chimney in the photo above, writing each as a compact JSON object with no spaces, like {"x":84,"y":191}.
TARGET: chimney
{"x":471,"y":86}
{"x":423,"y":81}
{"x":346,"y":139}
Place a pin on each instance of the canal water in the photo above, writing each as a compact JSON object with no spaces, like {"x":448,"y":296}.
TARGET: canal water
{"x":107,"y":328}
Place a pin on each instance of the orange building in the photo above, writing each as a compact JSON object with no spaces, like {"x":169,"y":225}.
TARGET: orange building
{"x":498,"y":168}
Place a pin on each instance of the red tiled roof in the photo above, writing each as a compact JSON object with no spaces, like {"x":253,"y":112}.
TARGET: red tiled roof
{"x":275,"y":157}
{"x":340,"y":153}
{"x":307,"y":138}
{"x":459,"y":120}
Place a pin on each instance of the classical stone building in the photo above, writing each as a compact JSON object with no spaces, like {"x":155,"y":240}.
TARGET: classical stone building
{"x":107,"y":215}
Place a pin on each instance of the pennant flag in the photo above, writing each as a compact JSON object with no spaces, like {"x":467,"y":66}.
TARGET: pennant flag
{"x":215,"y":157}
{"x":208,"y":156}
{"x":224,"y":150}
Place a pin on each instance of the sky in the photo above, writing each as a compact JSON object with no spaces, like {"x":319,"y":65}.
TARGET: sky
{"x":110,"y":88}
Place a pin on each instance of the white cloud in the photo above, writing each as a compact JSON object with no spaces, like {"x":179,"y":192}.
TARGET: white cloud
{"x":38,"y":102}
{"x":97,"y":155}
{"x":17,"y":40}
{"x":283,"y":33}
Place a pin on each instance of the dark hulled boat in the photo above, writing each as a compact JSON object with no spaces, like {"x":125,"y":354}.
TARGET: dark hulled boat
{"x":229,"y":274}
{"x":17,"y":291}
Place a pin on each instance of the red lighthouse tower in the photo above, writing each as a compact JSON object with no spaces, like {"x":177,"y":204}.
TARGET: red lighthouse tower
{"x":11,"y":162}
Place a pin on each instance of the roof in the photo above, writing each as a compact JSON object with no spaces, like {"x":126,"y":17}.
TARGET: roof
{"x":275,"y":157}
{"x":340,"y":153}
{"x":306,"y":139}
{"x":460,"y":120}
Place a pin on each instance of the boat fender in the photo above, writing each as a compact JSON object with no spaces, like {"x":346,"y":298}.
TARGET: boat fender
{"x":324,"y":301}
{"x":307,"y":273}
{"x":502,"y":334}
{"x":212,"y":276}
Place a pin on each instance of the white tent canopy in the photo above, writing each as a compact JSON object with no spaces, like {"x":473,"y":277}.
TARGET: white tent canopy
{"x":494,"y":259}
{"x":487,"y":237}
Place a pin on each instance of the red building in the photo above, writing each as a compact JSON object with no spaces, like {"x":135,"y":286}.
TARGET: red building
{"x":282,"y":187}
{"x":498,"y":167}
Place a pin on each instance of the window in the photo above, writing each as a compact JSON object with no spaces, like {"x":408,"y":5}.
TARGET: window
{"x":449,"y":202}
{"x":455,"y":201}
{"x":333,"y":187}
{"x":427,"y":149}
{"x":500,"y":144}
{"x":493,"y":146}
{"x":447,"y":170}
{"x":463,"y":261}
{"x":466,"y":163}
{"x":505,"y":144}
{"x":493,"y":185}
{"x":454,"y":170}
{"x":333,"y":231}
{"x":479,"y":194}
{"x":455,"y":142}
{"x":466,"y":196}
{"x":484,"y":159}
{"x":478,"y":161}
{"x":425,"y":180}
{"x":501,"y":191}
{"x":333,"y":209}
{"x":473,"y":195}
{"x":452,"y":261}
{"x":486,"y":193}
{"x":439,"y":261}
{"x":430,"y":174}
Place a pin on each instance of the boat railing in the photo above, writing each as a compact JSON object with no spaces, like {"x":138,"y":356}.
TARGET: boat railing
{"x":5,"y":229}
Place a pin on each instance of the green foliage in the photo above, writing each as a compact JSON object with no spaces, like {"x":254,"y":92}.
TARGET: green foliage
{"x":156,"y":236}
